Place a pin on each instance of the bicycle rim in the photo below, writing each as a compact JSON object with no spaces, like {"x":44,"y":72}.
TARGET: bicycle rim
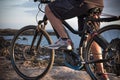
{"x":34,"y":64}
{"x":109,"y":33}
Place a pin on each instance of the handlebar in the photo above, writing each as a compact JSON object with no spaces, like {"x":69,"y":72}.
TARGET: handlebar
{"x":43,"y":1}
{"x":108,"y":19}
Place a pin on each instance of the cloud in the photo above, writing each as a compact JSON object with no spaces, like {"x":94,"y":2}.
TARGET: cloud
{"x":26,"y":4}
{"x":30,"y":6}
{"x":112,"y":7}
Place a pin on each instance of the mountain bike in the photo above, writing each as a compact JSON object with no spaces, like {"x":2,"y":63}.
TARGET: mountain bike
{"x":32,"y":60}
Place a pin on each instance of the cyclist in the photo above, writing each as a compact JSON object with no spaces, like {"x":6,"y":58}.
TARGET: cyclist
{"x":65,"y":9}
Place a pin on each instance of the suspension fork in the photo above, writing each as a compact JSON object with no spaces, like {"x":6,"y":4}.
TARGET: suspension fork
{"x":34,"y":38}
{"x":41,"y":36}
{"x":40,"y":26}
{"x":37,"y":31}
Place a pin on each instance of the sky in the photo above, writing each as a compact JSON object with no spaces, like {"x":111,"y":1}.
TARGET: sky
{"x":18,"y":13}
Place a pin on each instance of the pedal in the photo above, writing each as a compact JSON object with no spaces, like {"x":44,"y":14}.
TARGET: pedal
{"x":72,"y":60}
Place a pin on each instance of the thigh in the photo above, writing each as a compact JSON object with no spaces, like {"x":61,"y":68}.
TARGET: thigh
{"x":65,"y":9}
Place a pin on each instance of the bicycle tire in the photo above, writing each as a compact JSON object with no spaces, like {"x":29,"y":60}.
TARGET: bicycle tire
{"x":104,"y":32}
{"x":40,"y":62}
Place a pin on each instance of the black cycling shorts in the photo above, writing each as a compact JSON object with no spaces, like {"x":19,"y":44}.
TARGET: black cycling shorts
{"x":66,"y":9}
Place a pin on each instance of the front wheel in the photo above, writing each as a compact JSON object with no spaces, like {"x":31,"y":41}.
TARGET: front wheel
{"x":31,"y":62}
{"x":111,"y":34}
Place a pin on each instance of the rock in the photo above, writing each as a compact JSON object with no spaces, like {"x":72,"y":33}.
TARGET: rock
{"x":4,"y":47}
{"x":56,"y":73}
{"x":2,"y":41}
{"x":65,"y":73}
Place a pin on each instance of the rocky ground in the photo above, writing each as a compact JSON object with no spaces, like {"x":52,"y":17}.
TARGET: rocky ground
{"x":56,"y":73}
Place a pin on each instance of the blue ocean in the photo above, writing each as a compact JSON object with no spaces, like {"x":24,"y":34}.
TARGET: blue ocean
{"x":109,"y":35}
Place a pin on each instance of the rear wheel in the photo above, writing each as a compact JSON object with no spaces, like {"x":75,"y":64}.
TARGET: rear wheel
{"x":110,"y":33}
{"x":34,"y":62}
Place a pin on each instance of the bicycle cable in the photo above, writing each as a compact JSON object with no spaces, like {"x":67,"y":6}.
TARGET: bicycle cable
{"x":39,"y":10}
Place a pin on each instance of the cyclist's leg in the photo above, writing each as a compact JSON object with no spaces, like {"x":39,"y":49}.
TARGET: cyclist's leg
{"x":97,"y":52}
{"x":55,"y":22}
{"x":61,"y":10}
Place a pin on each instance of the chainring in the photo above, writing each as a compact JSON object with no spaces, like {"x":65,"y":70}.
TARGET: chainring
{"x":72,"y":58}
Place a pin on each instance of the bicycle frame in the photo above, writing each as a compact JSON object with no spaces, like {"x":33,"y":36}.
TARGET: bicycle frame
{"x":83,"y":40}
{"x":36,"y":51}
{"x":83,"y":34}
